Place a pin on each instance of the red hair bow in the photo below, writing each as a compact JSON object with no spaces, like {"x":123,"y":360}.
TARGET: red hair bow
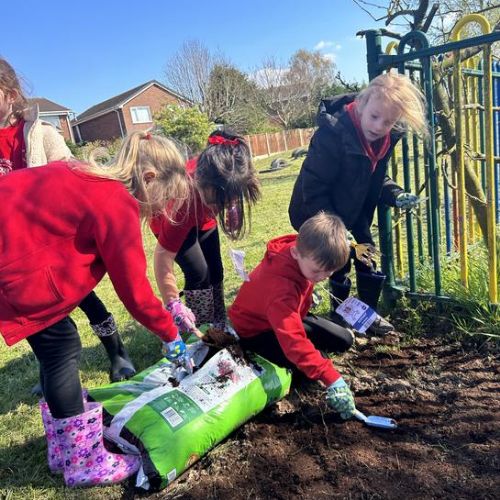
{"x":218,"y":139}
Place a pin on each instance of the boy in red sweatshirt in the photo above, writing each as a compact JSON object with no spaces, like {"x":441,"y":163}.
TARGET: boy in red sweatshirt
{"x":270,"y":313}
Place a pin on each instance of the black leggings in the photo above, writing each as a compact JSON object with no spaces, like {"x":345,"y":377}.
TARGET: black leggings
{"x":58,"y":350}
{"x":324,"y":334}
{"x":200,"y":259}
{"x":94,"y":309}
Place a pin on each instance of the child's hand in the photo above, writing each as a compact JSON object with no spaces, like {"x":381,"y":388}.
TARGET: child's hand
{"x":183,"y":316}
{"x":407,"y":201}
{"x":340,"y":398}
{"x":175,"y":352}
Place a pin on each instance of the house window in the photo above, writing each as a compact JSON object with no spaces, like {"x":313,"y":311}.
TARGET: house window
{"x":141,"y":114}
{"x":52,"y":119}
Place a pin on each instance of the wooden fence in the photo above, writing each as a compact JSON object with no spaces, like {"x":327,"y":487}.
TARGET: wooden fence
{"x":277,"y":142}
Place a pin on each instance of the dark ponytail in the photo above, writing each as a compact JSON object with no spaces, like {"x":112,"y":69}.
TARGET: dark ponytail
{"x":225,"y":174}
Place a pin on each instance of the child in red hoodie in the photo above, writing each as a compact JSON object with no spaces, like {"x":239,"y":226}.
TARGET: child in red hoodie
{"x":270,"y":312}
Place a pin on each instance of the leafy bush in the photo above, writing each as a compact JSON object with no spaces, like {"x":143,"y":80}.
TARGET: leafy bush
{"x":84,"y":150}
{"x":187,"y":125}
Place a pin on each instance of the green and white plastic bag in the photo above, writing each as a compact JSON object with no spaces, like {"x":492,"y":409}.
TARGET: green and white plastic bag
{"x":173,"y":426}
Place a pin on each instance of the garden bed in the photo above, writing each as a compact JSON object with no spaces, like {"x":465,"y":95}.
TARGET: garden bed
{"x":444,"y":398}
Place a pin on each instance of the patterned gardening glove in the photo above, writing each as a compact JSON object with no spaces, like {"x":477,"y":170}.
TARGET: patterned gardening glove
{"x":339,"y":397}
{"x":175,"y":352}
{"x":183,"y":316}
{"x":407,"y":201}
{"x":366,"y":253}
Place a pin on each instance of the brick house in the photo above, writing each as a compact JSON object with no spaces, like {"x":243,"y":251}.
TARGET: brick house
{"x":57,"y":115}
{"x":127,"y":112}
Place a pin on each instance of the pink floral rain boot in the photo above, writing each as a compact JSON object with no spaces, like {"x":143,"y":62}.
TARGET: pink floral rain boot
{"x":86,"y":460}
{"x":54,"y":456}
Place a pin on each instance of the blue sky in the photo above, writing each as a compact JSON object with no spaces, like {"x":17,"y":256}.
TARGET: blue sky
{"x":80,"y":53}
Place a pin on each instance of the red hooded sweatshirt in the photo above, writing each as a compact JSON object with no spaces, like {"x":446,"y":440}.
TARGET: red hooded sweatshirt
{"x":276,"y":298}
{"x":62,"y":231}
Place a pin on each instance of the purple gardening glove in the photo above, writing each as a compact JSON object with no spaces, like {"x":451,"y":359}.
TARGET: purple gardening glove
{"x":183,"y":316}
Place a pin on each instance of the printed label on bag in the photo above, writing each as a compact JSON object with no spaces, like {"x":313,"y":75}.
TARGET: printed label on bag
{"x":238,"y":260}
{"x":357,"y":314}
{"x":172,"y":417}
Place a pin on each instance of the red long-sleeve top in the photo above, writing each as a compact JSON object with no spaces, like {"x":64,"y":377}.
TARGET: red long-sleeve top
{"x":277,"y":298}
{"x":171,"y":234}
{"x":61,"y":230}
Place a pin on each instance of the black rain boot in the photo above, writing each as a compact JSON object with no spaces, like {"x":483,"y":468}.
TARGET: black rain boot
{"x":340,"y":292}
{"x":201,"y":302}
{"x":369,"y":289}
{"x":121,"y":365}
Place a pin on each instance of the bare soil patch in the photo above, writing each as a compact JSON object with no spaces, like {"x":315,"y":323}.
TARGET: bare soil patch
{"x":445,"y":399}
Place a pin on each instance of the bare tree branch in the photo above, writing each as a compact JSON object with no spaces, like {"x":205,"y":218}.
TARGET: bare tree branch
{"x":188,"y":71}
{"x":359,"y":2}
{"x":418,"y":15}
{"x":350,"y":86}
{"x":430,"y":18}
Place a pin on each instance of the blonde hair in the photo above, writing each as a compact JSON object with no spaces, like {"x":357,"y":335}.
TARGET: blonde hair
{"x":323,"y":238}
{"x":399,"y":91}
{"x":152,"y":170}
{"x":10,"y":83}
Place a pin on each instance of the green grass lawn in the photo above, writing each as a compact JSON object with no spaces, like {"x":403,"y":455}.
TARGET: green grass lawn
{"x":24,"y":472}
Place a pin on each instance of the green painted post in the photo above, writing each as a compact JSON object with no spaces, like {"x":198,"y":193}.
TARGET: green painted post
{"x":416,"y":170}
{"x":373,"y":51}
{"x":433,"y":181}
{"x":430,"y":149}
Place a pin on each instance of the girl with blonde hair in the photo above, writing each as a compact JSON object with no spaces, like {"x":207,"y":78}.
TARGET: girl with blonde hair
{"x":28,"y":141}
{"x":345,"y":173}
{"x":68,"y":225}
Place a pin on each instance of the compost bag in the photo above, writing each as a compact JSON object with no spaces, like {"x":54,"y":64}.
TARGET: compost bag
{"x":172,"y":424}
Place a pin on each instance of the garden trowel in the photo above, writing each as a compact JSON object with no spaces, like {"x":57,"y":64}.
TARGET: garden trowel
{"x":374,"y":421}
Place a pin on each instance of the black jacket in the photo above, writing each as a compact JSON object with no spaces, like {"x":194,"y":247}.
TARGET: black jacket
{"x":336,"y":175}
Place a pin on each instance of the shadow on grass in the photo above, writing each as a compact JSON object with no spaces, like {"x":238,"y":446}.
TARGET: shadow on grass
{"x":16,"y":459}
{"x":26,"y":466}
{"x":278,"y":179}
{"x":19,"y":375}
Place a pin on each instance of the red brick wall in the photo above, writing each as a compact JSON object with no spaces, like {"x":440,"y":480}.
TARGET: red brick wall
{"x":155,"y":98}
{"x":65,"y":128}
{"x":104,"y":127}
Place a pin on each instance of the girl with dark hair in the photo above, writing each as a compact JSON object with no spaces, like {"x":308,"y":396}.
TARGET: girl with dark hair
{"x":226,"y":181}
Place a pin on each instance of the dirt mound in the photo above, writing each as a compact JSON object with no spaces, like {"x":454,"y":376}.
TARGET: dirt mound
{"x":444,"y":399}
